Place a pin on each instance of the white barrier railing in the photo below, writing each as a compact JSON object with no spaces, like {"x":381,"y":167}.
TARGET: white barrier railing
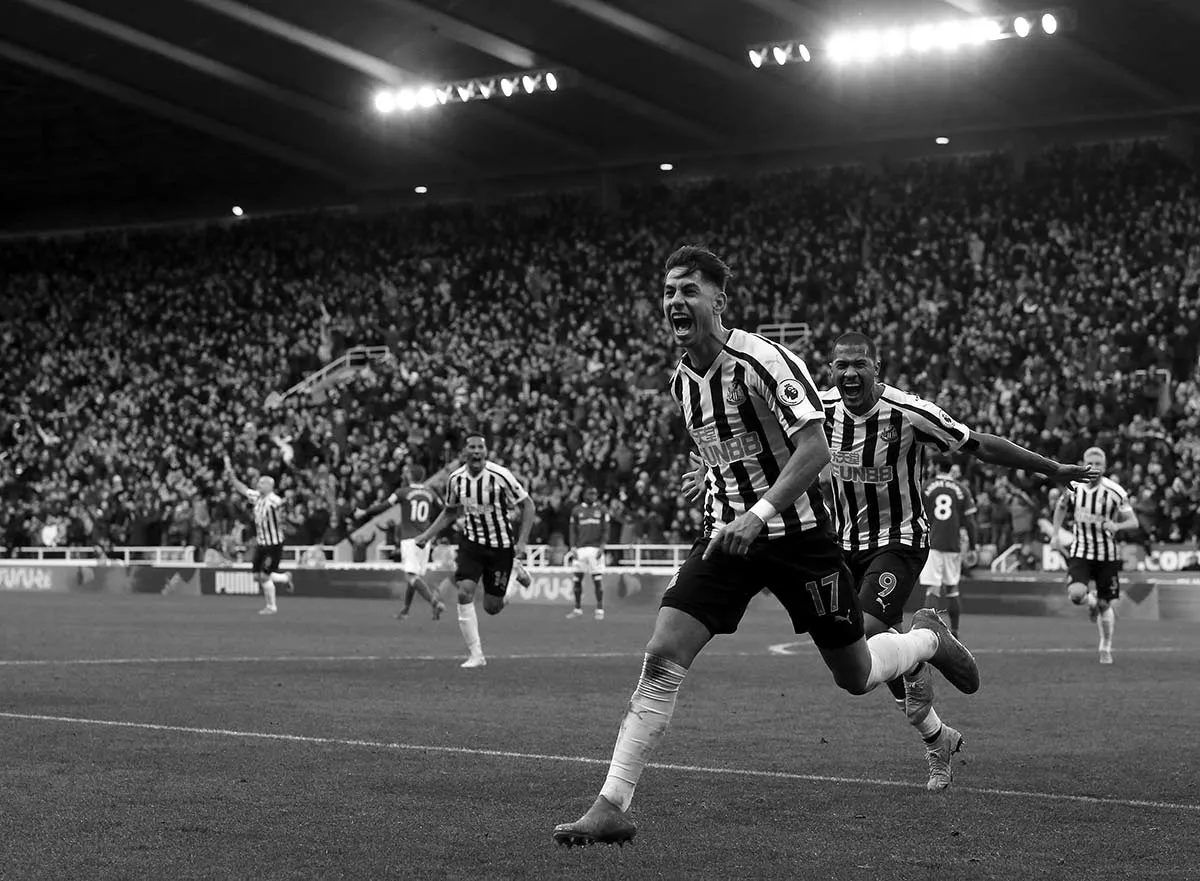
{"x":538,"y":556}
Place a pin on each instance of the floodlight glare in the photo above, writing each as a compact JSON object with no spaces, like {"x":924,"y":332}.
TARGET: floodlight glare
{"x":893,"y":42}
{"x":420,"y":191}
{"x":803,"y":52}
{"x":941,"y":141}
{"x":551,"y":82}
{"x":666,"y":166}
{"x":508,"y":86}
{"x":426,"y":97}
{"x":528,"y":83}
{"x":1049,"y":23}
{"x":1021,"y":26}
{"x":780,"y":54}
{"x":922,"y":38}
{"x":406,"y":99}
{"x":385,"y":101}
{"x":237,"y":211}
{"x":756,"y":57}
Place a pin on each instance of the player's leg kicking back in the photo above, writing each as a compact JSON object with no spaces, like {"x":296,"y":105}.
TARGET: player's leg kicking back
{"x":414,"y":561}
{"x":886,"y":578}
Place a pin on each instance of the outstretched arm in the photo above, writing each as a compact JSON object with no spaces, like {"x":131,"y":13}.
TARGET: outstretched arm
{"x":998,"y":451}
{"x":1060,"y":514}
{"x":237,"y":484}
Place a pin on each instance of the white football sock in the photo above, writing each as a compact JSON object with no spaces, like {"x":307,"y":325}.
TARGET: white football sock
{"x":929,"y":726}
{"x":894,"y":654}
{"x":645,"y":723}
{"x":468,"y":625}
{"x":269,"y":593}
{"x":1106,"y":621}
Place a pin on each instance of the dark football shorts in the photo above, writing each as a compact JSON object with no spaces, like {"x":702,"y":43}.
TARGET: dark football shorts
{"x":480,"y":563}
{"x":267,"y":558}
{"x":885,"y":578}
{"x":805,"y":572}
{"x":1106,"y":574}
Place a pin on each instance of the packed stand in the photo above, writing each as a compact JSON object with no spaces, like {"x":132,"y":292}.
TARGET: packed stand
{"x":1060,"y":311}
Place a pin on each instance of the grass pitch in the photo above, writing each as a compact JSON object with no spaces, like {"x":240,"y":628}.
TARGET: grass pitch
{"x":188,"y":737}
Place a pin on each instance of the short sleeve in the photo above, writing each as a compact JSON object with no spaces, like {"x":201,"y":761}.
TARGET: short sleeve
{"x":781,"y":378}
{"x":932,"y":424}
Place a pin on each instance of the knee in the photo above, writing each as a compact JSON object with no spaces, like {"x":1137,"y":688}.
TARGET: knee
{"x":493,"y":605}
{"x":663,"y":646}
{"x":851,"y":683}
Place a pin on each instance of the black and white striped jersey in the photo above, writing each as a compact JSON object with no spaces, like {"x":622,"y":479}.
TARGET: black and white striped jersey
{"x":742,"y":414}
{"x":876,"y":466}
{"x":488,"y":500}
{"x":1093,"y":505}
{"x":267,"y":528}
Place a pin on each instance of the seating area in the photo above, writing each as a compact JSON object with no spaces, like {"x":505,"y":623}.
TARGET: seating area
{"x":1061,"y":310}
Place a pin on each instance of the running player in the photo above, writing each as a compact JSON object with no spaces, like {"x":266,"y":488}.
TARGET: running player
{"x":1100,"y":509}
{"x":419,"y":505}
{"x":751,"y":408}
{"x":486,"y":494}
{"x":951,"y":511}
{"x":587,"y":530}
{"x":878,"y":435}
{"x":268,"y":533}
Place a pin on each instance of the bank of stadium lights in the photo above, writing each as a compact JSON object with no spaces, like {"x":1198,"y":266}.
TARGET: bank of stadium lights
{"x":407,"y":100}
{"x":869,"y":44}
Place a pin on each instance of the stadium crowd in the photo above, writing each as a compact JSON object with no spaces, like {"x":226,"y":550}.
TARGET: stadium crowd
{"x":1060,"y":310}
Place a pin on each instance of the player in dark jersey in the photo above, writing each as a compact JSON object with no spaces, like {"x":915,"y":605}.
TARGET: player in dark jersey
{"x":752,"y":410}
{"x":951,"y":511}
{"x":879,"y":435}
{"x":418,"y":507}
{"x":1099,"y":510}
{"x":588,"y":528}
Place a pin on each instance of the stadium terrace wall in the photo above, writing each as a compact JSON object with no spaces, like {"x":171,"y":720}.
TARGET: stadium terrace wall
{"x":1151,"y":596}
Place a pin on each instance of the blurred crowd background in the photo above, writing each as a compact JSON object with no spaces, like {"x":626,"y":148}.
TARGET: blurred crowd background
{"x":1061,"y":310}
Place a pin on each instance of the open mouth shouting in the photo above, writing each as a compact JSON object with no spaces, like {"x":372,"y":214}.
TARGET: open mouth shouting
{"x":852,"y":389}
{"x":682,"y":323}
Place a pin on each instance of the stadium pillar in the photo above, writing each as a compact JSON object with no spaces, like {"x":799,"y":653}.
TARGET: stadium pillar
{"x":1181,"y":141}
{"x":1023,"y":147}
{"x":610,"y":194}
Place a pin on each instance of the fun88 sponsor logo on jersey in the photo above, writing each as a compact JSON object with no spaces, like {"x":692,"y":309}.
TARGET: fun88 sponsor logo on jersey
{"x":716,"y":451}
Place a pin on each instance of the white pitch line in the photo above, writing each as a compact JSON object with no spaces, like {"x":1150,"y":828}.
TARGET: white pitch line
{"x":584,"y":760}
{"x":783,"y":649}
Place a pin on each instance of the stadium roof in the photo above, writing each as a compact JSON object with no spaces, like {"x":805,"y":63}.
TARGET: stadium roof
{"x":116,"y":109}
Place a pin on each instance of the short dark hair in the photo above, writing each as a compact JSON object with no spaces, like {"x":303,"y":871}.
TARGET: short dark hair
{"x":695,"y":258}
{"x":474,"y":432}
{"x":416,"y":471}
{"x":854,"y":338}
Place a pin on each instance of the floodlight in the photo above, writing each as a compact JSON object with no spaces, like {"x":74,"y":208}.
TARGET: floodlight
{"x":923,"y":37}
{"x":420,"y":191}
{"x":508,"y":87}
{"x":528,"y":83}
{"x":756,"y":57}
{"x":893,"y":41}
{"x":406,"y":99}
{"x":803,"y":52}
{"x":426,"y":96}
{"x":780,"y":54}
{"x":385,"y":101}
{"x":666,"y":166}
{"x":941,"y":141}
{"x":487,"y":89}
{"x":1021,"y":26}
{"x":237,"y":211}
{"x":552,"y":82}
{"x":1049,"y":23}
